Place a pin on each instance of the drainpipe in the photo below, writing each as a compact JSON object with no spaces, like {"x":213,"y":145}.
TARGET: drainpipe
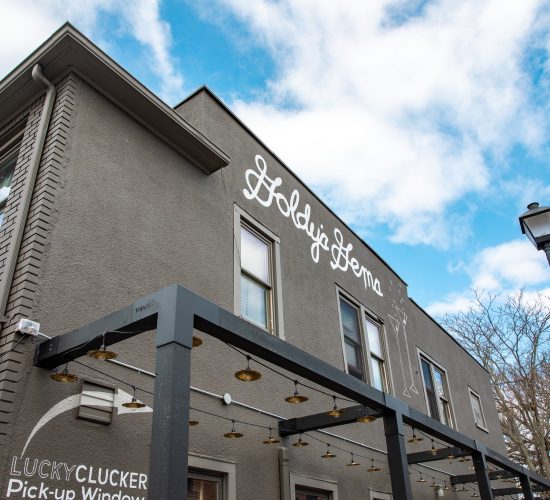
{"x":284,"y":474}
{"x":19,"y":227}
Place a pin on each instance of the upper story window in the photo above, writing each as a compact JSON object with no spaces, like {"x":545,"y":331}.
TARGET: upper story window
{"x":9,"y":150}
{"x":309,"y":494}
{"x":364,"y":351}
{"x":479,"y":417}
{"x":437,"y":391}
{"x":257,"y":275}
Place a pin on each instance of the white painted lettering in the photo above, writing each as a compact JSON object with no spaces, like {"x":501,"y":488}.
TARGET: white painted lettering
{"x":13,"y":470}
{"x":68,"y":471}
{"x":77,"y":474}
{"x":41,"y":473}
{"x":14,"y":486}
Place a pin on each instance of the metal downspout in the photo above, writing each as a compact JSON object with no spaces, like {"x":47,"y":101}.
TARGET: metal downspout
{"x":19,"y":227}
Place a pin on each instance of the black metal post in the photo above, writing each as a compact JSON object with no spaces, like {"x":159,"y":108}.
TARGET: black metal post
{"x":397,"y":456}
{"x":526,"y":487}
{"x":482,"y":475}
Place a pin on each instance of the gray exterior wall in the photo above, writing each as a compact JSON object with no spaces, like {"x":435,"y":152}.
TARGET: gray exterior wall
{"x":125,"y":214}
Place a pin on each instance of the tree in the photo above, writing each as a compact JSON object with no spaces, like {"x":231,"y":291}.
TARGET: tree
{"x":510,"y":337}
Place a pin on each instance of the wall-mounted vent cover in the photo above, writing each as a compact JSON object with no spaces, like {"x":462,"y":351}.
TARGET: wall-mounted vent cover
{"x":96,"y":402}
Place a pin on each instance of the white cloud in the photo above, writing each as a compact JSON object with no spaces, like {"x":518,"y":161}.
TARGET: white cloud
{"x":502,"y":269}
{"x":27,"y":23}
{"x":392,"y":120}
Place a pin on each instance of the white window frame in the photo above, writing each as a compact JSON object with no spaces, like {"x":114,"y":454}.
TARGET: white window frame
{"x":227,"y":471}
{"x":10,"y":146}
{"x":324,"y":485}
{"x":275,"y":319}
{"x":436,"y":364}
{"x":471,"y":393}
{"x":365,"y":313}
{"x":378,"y":495}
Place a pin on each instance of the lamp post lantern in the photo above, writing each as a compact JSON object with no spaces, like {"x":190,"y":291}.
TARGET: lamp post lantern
{"x":535,"y":223}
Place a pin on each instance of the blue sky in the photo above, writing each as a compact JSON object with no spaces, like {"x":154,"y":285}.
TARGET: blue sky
{"x":424,"y":124}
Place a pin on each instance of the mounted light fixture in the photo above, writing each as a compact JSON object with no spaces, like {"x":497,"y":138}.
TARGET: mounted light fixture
{"x":64,"y":376}
{"x":271,"y":440}
{"x":197,"y":341}
{"x":372,"y":468}
{"x":134,"y":404}
{"x":535,"y":224}
{"x":433,"y":450}
{"x":233,"y":434}
{"x":335,"y":412}
{"x":352,"y":462}
{"x":366,"y":419}
{"x":102,"y":353}
{"x":414,"y":439}
{"x":421,"y":480}
{"x":327,"y":453}
{"x":296,"y":398}
{"x":248,"y":375}
{"x":300,"y":443}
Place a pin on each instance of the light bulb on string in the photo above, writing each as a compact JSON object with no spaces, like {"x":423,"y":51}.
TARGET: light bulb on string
{"x":271,"y":440}
{"x":134,"y":404}
{"x":248,"y":374}
{"x":193,"y":423}
{"x":102,"y":353}
{"x":475,"y":494}
{"x":64,"y":376}
{"x":446,"y":486}
{"x":433,"y":450}
{"x":296,"y":398}
{"x":421,"y":480}
{"x":414,"y":439}
{"x":197,"y":341}
{"x":450,"y":455}
{"x":372,"y":468}
{"x":352,"y":462}
{"x":366,"y":419}
{"x":233,"y":434}
{"x":335,"y":412}
{"x":300,"y":443}
{"x":328,"y":453}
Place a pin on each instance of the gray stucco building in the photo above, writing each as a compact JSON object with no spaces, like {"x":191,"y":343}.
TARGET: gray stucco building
{"x":109,"y":194}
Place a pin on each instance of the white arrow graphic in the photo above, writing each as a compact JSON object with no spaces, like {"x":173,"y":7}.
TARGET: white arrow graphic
{"x":75,"y":401}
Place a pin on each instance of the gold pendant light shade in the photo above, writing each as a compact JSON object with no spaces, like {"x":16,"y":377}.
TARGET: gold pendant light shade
{"x":64,"y":376}
{"x":248,"y":375}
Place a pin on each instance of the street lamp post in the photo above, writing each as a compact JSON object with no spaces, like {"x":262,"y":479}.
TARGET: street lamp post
{"x":535,"y":223}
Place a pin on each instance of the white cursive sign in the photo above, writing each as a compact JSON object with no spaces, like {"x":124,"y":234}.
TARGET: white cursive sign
{"x":264,"y":190}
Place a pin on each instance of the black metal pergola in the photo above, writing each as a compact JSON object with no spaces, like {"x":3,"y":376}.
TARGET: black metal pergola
{"x":175,"y":311}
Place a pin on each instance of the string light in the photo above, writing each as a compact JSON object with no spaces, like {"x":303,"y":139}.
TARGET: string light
{"x":421,"y":480}
{"x":248,"y":375}
{"x":352,"y":462}
{"x":296,"y":398}
{"x":328,"y":454}
{"x":102,"y":353}
{"x":300,"y":443}
{"x":446,"y":487}
{"x":197,"y":341}
{"x":64,"y":376}
{"x":193,"y":423}
{"x":366,"y":419}
{"x":373,"y":467}
{"x":271,"y":440}
{"x":415,"y":439}
{"x":434,"y":449}
{"x":233,"y":434}
{"x":134,"y":404}
{"x":335,"y":412}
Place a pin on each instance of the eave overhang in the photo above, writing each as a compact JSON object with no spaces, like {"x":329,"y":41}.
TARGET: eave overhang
{"x":68,"y":50}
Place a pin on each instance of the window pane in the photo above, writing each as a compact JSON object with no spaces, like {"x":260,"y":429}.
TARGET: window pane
{"x":202,"y":489}
{"x":311,"y":495}
{"x":354,"y":359}
{"x":6,"y":173}
{"x":440,"y":384}
{"x":430,"y":391}
{"x":377,"y":374}
{"x":255,"y":255}
{"x":476,"y":406}
{"x":254,"y":302}
{"x":350,"y":322}
{"x":373,"y":332}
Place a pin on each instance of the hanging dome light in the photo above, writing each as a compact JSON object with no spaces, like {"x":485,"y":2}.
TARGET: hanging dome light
{"x":296,"y":398}
{"x":366,"y":419}
{"x":421,"y":480}
{"x":197,"y":341}
{"x":192,"y":423}
{"x":335,"y":412}
{"x":372,"y":468}
{"x":328,"y":453}
{"x":102,"y":353}
{"x":446,"y":487}
{"x":271,"y":440}
{"x":352,"y":462}
{"x":450,"y":456}
{"x":64,"y":376}
{"x":233,"y":434}
{"x":300,"y":443}
{"x":134,"y":404}
{"x":248,"y":375}
{"x":433,"y":450}
{"x":415,"y":438}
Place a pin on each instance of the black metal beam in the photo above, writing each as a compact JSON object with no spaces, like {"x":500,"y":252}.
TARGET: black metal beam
{"x":442,"y":454}
{"x":397,"y":456}
{"x":514,"y":490}
{"x":323,"y":420}
{"x":472,"y":478}
{"x":482,"y":473}
{"x":526,"y":487}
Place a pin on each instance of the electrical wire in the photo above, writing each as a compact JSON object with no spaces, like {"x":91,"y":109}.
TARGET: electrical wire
{"x":13,"y":348}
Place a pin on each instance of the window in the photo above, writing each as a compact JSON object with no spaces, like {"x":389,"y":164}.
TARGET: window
{"x":257,"y":275}
{"x":361,"y":334}
{"x":436,"y":391}
{"x":211,"y":479}
{"x":376,"y":495}
{"x":479,"y":417}
{"x":9,"y":150}
{"x":308,"y":488}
